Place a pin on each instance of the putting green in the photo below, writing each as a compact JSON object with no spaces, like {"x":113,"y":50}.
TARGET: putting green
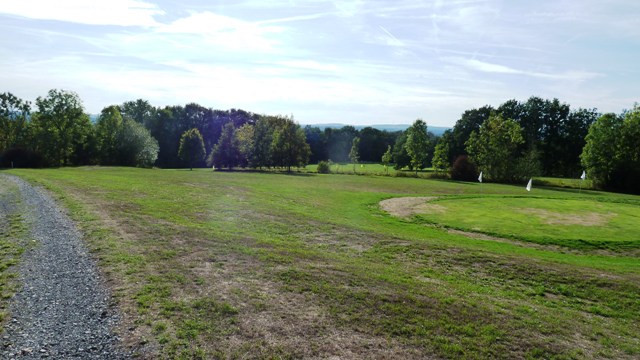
{"x":576,"y":223}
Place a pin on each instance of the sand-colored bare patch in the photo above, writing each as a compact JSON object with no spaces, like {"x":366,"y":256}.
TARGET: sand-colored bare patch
{"x":408,"y":206}
{"x":555,"y":218}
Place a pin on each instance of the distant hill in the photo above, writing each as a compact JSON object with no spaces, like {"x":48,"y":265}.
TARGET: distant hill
{"x":436,"y":130}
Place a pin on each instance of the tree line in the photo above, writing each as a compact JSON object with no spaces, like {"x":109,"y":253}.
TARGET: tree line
{"x":56,"y":131}
{"x":520,"y":140}
{"x":513,"y":141}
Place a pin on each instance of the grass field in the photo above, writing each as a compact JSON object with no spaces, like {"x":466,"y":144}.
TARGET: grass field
{"x":265,"y":265}
{"x":371,"y":169}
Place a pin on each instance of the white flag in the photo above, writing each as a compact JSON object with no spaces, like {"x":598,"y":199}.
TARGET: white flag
{"x":584,"y":175}
{"x":480,"y":177}
{"x":529,"y":184}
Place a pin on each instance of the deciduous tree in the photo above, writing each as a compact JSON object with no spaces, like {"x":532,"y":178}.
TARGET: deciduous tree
{"x":611,"y":155}
{"x":387,"y":157}
{"x":440,"y":159}
{"x":61,"y":126}
{"x":354,"y":153}
{"x":191,"y":148}
{"x":417,"y":145}
{"x":245,"y":136}
{"x":493,"y":149}
{"x":226,"y":153}
{"x":108,"y":130}
{"x":14,"y":115}
{"x":289,"y":145}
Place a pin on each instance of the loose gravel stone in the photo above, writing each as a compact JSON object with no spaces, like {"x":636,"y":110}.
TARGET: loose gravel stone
{"x":63,"y":309}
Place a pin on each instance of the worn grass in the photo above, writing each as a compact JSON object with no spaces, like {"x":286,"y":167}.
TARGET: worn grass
{"x":252,"y":265}
{"x":13,"y":235}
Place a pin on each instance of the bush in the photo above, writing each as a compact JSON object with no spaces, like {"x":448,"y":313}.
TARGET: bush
{"x":323,"y":167}
{"x":463,"y":169}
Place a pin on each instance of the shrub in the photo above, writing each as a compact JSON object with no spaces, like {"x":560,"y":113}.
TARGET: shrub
{"x":463,"y":169}
{"x":323,"y":167}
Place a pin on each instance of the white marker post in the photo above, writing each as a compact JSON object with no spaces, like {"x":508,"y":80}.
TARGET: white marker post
{"x":480,"y":180}
{"x":529,"y":184}
{"x":582,"y":178}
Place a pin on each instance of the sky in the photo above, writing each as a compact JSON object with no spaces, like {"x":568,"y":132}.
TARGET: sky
{"x":353,"y":62}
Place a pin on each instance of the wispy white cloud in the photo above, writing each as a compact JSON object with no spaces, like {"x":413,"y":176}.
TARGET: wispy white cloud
{"x":295,"y":18}
{"x":351,"y":61}
{"x":224,"y":31}
{"x":489,"y":67}
{"x":98,"y":12}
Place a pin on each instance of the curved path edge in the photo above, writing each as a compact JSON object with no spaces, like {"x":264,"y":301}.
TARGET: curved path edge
{"x":63,"y":308}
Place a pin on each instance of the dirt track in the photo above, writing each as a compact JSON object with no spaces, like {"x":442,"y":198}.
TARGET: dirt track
{"x":62,"y":310}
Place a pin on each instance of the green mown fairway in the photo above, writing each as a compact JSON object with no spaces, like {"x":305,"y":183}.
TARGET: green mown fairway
{"x":590,"y":222}
{"x":265,"y":265}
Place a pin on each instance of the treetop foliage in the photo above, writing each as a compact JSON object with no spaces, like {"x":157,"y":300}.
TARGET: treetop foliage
{"x":611,"y":155}
{"x":191,"y":148}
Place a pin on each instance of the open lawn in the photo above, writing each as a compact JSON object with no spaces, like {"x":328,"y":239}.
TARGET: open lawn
{"x":371,"y":169}
{"x":266,"y":265}
{"x":591,"y":222}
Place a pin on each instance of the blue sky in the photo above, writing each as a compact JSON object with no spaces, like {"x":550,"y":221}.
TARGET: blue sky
{"x":356,"y":62}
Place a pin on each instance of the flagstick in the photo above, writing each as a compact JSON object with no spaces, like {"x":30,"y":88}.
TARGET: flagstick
{"x":580,"y":191}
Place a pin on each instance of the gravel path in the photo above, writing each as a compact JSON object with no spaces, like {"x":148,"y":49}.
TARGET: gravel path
{"x":63,"y":309}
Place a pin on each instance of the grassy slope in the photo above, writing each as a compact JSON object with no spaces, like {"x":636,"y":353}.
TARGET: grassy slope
{"x":270,"y":265}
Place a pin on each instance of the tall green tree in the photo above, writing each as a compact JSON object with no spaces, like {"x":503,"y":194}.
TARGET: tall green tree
{"x":262,"y":138}
{"x":14,"y":115}
{"x":108,"y":130}
{"x":572,"y":140}
{"x":611,"y":155}
{"x":61,"y":127}
{"x":469,"y":121}
{"x":191,"y":148}
{"x":317,"y":143}
{"x":245,"y":136}
{"x":494,"y":148}
{"x":289,"y":145}
{"x":600,"y":153}
{"x":417,"y":145}
{"x":226,"y":153}
{"x":163,"y":127}
{"x":354,"y":153}
{"x":387,"y":157}
{"x":440,"y":159}
{"x":401,"y":158}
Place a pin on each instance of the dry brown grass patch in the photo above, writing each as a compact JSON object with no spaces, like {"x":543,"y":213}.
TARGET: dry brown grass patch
{"x":408,"y":206}
{"x":555,"y":218}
